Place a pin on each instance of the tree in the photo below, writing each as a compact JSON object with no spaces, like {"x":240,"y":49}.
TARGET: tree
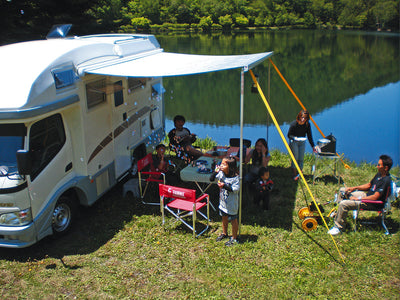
{"x":108,"y":14}
{"x":141,"y":23}
{"x":226,"y":22}
{"x":241,"y":21}
{"x":387,"y":13}
{"x":206,"y":23}
{"x":351,"y":13}
{"x":309,"y":20}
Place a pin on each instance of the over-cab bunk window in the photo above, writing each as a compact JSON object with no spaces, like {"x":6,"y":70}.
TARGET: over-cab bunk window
{"x":95,"y":93}
{"x":64,"y":78}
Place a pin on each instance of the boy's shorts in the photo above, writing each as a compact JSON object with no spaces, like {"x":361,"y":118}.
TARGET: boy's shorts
{"x":230,"y":217}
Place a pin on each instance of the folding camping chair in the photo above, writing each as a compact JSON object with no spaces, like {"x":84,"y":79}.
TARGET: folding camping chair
{"x":382,"y":207}
{"x":182,"y":204}
{"x":146,"y":177}
{"x":235,"y":142}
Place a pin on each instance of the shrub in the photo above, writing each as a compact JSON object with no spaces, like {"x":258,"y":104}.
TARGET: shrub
{"x":216,"y":27}
{"x":226,"y":22}
{"x":206,"y":23}
{"x":141,"y":23}
{"x":242,"y":21}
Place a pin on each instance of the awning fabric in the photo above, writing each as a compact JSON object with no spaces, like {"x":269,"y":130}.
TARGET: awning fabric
{"x":164,"y":64}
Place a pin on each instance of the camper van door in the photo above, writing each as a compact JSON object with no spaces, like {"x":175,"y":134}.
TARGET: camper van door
{"x":121,"y":135}
{"x":51,"y":158}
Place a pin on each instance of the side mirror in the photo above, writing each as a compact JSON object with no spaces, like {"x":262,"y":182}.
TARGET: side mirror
{"x":24,"y":162}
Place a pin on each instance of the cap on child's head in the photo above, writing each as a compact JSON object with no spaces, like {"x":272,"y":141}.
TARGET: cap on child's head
{"x":159,"y":146}
{"x":262,"y":171}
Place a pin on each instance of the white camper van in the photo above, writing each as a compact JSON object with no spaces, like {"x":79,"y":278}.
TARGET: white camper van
{"x":75,"y":115}
{"x":76,"y":134}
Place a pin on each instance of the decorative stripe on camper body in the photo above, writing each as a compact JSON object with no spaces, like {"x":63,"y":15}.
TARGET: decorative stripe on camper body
{"x":100,"y":147}
{"x":125,"y":125}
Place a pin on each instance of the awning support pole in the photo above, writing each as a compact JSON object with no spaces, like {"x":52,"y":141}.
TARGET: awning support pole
{"x":302,"y":106}
{"x":291,"y":155}
{"x":241,"y":146}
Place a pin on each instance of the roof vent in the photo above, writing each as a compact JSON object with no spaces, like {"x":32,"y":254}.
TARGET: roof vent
{"x":59,"y":31}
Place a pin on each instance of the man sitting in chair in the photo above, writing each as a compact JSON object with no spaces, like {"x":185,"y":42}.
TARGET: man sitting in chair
{"x":181,"y":138}
{"x":375,"y":190}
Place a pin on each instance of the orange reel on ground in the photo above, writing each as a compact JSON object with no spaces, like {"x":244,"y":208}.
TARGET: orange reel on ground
{"x":303,"y":213}
{"x":309,"y":224}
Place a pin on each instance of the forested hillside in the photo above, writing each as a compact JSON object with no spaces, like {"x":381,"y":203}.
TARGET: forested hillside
{"x":21,"y":17}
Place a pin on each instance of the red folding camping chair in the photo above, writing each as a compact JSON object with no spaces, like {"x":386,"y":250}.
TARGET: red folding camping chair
{"x":183,"y":203}
{"x":146,"y":177}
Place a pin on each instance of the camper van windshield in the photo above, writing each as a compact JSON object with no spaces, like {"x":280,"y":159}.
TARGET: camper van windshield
{"x":11,"y":140}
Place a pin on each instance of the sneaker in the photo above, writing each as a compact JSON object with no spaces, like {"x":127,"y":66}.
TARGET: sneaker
{"x":334,"y":231}
{"x":231,"y":242}
{"x":355,"y":214}
{"x":221,"y":237}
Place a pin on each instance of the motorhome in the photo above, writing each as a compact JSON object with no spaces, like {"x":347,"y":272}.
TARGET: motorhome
{"x":76,"y":136}
{"x":75,"y":115}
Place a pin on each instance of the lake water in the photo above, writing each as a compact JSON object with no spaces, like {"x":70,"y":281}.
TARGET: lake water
{"x":349,"y":81}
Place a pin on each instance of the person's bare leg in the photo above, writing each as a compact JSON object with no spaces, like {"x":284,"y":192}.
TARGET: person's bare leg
{"x":235,"y":228}
{"x":193,"y":151}
{"x":225,"y":225}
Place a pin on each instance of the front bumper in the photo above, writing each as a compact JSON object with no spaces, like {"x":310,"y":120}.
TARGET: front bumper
{"x":18,"y":236}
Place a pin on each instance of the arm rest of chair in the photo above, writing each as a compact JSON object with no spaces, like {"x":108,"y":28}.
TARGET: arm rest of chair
{"x":202,"y":197}
{"x":372,"y":201}
{"x":152,"y":178}
{"x":377,"y":203}
{"x":153,"y":173}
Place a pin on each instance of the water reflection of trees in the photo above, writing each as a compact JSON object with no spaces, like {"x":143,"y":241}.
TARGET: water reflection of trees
{"x":323,"y":68}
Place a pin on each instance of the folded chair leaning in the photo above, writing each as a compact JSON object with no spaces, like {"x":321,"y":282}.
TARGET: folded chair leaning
{"x":381,"y":207}
{"x":183,"y":203}
{"x":146,"y":177}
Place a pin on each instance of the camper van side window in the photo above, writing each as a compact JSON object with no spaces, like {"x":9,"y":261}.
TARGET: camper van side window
{"x":95,"y":93}
{"x":135,"y":83}
{"x":46,"y":139}
{"x":118,"y":94}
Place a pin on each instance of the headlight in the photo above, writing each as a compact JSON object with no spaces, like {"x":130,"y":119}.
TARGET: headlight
{"x":18,"y":218}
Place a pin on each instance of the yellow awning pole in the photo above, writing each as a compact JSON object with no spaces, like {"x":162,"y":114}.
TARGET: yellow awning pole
{"x":291,"y":155}
{"x":301,"y":104}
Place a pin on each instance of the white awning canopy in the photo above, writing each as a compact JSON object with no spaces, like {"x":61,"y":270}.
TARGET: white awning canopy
{"x":164,"y":64}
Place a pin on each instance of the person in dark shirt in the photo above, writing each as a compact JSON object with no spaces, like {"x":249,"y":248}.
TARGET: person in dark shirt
{"x":259,"y":157}
{"x":377,"y":190}
{"x":181,"y":140}
{"x":297,"y":132}
{"x":163,"y":165}
{"x":263,"y":185}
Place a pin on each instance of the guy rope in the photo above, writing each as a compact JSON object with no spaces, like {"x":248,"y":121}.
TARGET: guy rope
{"x":301,"y":104}
{"x":291,"y":154}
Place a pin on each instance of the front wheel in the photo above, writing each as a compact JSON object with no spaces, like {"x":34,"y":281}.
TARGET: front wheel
{"x":63,"y":215}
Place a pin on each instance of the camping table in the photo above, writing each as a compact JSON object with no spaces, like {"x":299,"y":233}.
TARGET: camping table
{"x":190,"y":173}
{"x":325,"y":164}
{"x":202,"y":180}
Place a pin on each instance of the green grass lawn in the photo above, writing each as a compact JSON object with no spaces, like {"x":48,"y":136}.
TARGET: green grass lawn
{"x":118,"y":249}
